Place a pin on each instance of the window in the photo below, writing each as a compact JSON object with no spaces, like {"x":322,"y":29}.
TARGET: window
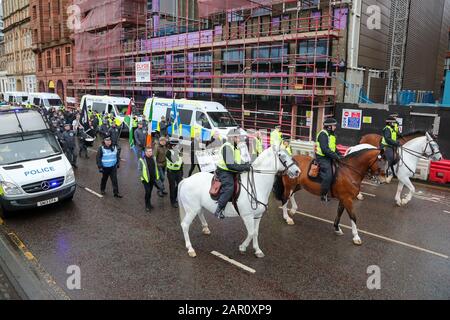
{"x":272,"y":53}
{"x":202,"y":120}
{"x":233,"y":56}
{"x":185,"y":116}
{"x":49,"y":60}
{"x":313,"y":48}
{"x":40,"y":62}
{"x":99,"y":107}
{"x":58,"y":58}
{"x":68,"y":56}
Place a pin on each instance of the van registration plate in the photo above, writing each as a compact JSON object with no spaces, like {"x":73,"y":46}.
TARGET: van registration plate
{"x":47,"y":202}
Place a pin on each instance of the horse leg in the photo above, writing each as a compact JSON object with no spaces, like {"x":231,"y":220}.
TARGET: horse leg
{"x":348,"y":204}
{"x":294,"y":208}
{"x":185,"y":224}
{"x":337,"y":228}
{"x":412,"y":190}
{"x":360,"y":196}
{"x":286,"y":217}
{"x":258,"y":252}
{"x":249,"y":225}
{"x":398,"y":196}
{"x":205,"y":228}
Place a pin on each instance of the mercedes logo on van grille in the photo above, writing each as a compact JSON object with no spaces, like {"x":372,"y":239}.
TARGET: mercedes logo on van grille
{"x":45,"y":185}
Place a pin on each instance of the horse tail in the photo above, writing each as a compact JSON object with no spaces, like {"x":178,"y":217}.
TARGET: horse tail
{"x":180,"y":203}
{"x":278,"y":187}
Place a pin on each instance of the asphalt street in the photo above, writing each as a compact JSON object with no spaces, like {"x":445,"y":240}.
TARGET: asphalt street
{"x":125,"y":253}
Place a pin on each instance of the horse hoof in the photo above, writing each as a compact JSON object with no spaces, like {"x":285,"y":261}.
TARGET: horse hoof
{"x":206,"y":231}
{"x":242,"y":252}
{"x":357,"y":242}
{"x":404,"y":202}
{"x":360,"y":197}
{"x":259,"y":255}
{"x":292,"y":212}
{"x":290,"y":222}
{"x":339,"y":232}
{"x":192,"y":254}
{"x":399,"y":203}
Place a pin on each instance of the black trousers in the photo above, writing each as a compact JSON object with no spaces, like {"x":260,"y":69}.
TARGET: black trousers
{"x":174,"y":178}
{"x":71,"y":155}
{"x":226,"y":191}
{"x":326,"y":173}
{"x":148,"y":187}
{"x":83,"y":148}
{"x":390,"y":154}
{"x":110,"y":173}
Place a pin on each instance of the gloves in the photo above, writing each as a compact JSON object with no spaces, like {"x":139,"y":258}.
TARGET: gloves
{"x":247,"y":167}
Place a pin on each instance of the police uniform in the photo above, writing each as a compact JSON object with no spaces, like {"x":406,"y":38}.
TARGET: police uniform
{"x":68,"y":138}
{"x":276,"y":137}
{"x":174,"y":166}
{"x":108,"y":160}
{"x":149,"y":177}
{"x":257,"y":147}
{"x":390,"y":140}
{"x":229,"y":165}
{"x":326,"y":152}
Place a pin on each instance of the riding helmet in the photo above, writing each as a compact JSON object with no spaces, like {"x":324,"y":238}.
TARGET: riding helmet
{"x":330,"y":122}
{"x":391,"y":120}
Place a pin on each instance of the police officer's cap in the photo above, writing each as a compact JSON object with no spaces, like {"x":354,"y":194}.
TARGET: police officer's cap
{"x":173,"y":141}
{"x":107,"y":138}
{"x":391,"y":120}
{"x":234,"y":133}
{"x":330,"y":122}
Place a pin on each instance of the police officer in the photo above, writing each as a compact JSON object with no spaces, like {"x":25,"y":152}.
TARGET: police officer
{"x":228,"y":166}
{"x":195,"y":146}
{"x":69,"y":145}
{"x":286,"y":145}
{"x":174,"y":165}
{"x":276,"y":136}
{"x":149,"y":175}
{"x":140,"y":139}
{"x":326,"y":152}
{"x":257,"y":145}
{"x":108,"y":161}
{"x":390,"y":144}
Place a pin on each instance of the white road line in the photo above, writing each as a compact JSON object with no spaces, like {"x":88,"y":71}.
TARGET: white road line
{"x":378,"y":236}
{"x":370,"y":183}
{"x":233,"y":262}
{"x":93,"y":192}
{"x":446,"y":211}
{"x":368,"y":194}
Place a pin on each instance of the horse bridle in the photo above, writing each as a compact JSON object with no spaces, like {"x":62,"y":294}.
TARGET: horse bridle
{"x":423,"y":155}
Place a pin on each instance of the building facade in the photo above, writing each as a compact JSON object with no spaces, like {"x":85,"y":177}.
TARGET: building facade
{"x":53,"y":46}
{"x":3,"y":77}
{"x":20,"y":60}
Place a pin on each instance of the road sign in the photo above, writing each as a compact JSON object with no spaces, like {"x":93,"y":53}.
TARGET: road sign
{"x":351,"y":119}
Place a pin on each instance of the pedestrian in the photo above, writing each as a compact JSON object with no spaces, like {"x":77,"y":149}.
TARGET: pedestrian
{"x":162,"y":127}
{"x":69,"y":145}
{"x":114,"y":134}
{"x":149,"y":175}
{"x":104,"y":128}
{"x":174,"y":160}
{"x":83,"y":136}
{"x":108,"y":161}
{"x":195,"y":146}
{"x":160,"y":155}
{"x":140,"y":139}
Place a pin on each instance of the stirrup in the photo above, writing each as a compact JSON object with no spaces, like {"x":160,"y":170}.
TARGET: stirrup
{"x":219,"y":214}
{"x":324,"y":198}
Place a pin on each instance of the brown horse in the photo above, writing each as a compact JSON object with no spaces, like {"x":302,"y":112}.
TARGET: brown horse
{"x":350,"y":173}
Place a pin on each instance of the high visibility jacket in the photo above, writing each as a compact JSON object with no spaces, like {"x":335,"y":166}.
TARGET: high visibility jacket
{"x":236,"y":156}
{"x":100,"y":120}
{"x":109,"y":158}
{"x":174,"y":166}
{"x":275,"y":137}
{"x":258,"y":149}
{"x":288,"y":149}
{"x":331,"y":143}
{"x":145,"y":174}
{"x":393,"y":135}
{"x":118,"y":122}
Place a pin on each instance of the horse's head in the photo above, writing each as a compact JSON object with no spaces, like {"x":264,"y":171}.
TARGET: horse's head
{"x":285,"y":162}
{"x":432,"y":148}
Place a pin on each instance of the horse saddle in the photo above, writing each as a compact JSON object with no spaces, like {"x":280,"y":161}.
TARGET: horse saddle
{"x":314,"y":171}
{"x":216,"y":185}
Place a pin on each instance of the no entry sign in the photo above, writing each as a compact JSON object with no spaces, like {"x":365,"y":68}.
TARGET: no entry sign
{"x":351,"y":119}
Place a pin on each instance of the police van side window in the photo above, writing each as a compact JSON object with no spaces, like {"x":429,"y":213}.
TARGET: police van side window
{"x":202,"y":120}
{"x":110,"y":109}
{"x":36,"y":101}
{"x":99,"y":107}
{"x":185,"y":116}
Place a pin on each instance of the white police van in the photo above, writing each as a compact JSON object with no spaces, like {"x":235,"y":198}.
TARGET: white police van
{"x":34,"y":172}
{"x":16,"y":97}
{"x":46,"y":100}
{"x":210,"y":116}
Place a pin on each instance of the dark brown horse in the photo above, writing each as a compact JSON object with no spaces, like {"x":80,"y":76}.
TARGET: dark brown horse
{"x":375,"y":139}
{"x":350,"y":173}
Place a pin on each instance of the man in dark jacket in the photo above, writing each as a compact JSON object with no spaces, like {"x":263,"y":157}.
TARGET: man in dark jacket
{"x":68,"y":138}
{"x":174,"y":159}
{"x":114,"y":134}
{"x":104,"y":128}
{"x":326,"y":152}
{"x":228,"y":166}
{"x":140,"y":139}
{"x":160,"y":155}
{"x":108,"y":161}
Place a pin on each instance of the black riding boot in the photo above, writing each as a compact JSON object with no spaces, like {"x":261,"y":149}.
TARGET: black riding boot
{"x":219,"y":213}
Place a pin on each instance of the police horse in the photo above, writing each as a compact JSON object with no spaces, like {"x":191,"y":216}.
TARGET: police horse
{"x":347,"y":183}
{"x":256,"y":185}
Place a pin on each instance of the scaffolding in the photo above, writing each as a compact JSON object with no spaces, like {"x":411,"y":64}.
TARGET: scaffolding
{"x":269,"y":62}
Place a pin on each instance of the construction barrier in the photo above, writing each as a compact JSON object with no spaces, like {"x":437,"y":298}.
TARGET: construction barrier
{"x":440,"y":171}
{"x":304,"y":148}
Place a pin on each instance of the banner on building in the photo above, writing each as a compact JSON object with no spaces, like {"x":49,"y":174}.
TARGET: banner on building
{"x":143,"y":73}
{"x":351,"y":119}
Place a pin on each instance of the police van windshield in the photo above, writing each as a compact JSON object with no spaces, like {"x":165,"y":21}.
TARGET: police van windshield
{"x":54,"y":102}
{"x":123,"y":108}
{"x":222,"y":119}
{"x":28,"y":148}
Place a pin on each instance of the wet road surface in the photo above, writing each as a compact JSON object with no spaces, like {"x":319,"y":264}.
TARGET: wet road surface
{"x":125,"y":253}
{"x":7,"y":292}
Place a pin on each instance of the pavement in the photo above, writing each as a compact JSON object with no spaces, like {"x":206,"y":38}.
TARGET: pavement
{"x":122,"y":252}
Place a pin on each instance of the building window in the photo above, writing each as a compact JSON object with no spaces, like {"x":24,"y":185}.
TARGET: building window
{"x":68,"y":57}
{"x":58,"y":57}
{"x":49,"y":60}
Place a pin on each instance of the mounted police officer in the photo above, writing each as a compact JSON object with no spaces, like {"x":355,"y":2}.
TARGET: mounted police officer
{"x":326,"y":152}
{"x":228,"y":166}
{"x":390,"y":144}
{"x":174,"y":165}
{"x":108,"y":161}
{"x":68,"y":138}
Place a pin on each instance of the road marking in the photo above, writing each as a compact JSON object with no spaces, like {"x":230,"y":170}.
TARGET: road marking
{"x":377,"y":236}
{"x":93,"y":192}
{"x":233,"y":262}
{"x":368,"y":194}
{"x":370,"y":183}
{"x":444,"y":211}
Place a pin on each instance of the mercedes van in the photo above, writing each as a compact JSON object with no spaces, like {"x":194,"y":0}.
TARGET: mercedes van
{"x":34,"y":172}
{"x":16,"y":97}
{"x":46,"y":100}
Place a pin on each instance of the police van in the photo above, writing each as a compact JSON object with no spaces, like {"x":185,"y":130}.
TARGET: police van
{"x":207,"y":116}
{"x":34,"y":172}
{"x":46,"y":100}
{"x":16,"y":97}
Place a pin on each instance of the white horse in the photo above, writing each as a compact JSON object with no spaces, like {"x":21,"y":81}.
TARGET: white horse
{"x":193,"y":196}
{"x":294,"y":205}
{"x":410,"y":153}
